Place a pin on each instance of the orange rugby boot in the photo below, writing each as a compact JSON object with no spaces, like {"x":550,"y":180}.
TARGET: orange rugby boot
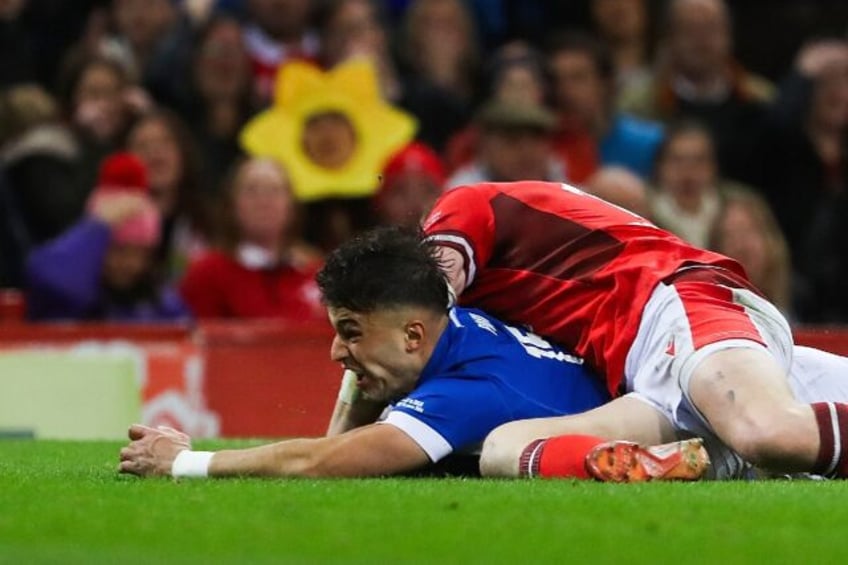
{"x":628,"y":462}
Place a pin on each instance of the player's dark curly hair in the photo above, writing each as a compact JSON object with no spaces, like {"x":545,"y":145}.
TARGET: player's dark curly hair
{"x":385,"y":267}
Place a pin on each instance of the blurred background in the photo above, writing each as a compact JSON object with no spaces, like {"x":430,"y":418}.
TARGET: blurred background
{"x":173,"y":171}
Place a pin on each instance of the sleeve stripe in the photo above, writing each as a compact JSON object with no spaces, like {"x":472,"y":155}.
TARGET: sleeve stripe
{"x":461,"y":245}
{"x":432,"y":442}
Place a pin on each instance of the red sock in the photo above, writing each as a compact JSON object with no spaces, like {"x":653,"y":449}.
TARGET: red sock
{"x":832,"y":419}
{"x":559,"y":457}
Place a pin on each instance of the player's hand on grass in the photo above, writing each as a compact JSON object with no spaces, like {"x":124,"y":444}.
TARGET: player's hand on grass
{"x":151,"y":451}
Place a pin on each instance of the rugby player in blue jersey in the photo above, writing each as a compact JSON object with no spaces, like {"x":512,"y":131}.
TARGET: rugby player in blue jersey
{"x":449,"y":375}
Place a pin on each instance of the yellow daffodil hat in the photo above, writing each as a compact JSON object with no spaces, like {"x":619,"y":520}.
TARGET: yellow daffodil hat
{"x":302,"y":91}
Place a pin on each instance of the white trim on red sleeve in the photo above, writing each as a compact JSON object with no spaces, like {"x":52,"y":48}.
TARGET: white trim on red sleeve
{"x":470,"y":267}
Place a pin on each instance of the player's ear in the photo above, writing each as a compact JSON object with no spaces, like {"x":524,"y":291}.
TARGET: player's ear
{"x":414,"y":335}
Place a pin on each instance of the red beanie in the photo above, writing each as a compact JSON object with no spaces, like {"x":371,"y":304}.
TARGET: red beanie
{"x":414,"y":158}
{"x":122,"y":171}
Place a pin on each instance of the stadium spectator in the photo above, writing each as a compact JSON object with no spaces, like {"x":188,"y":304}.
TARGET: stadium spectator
{"x":689,"y":192}
{"x":141,"y":28}
{"x":804,"y":171}
{"x":99,"y":99}
{"x":153,"y":37}
{"x":332,"y":132}
{"x":412,"y":181}
{"x":262,"y":269}
{"x":687,"y":198}
{"x":161,"y":140}
{"x":697,"y":77}
{"x":218,"y":99}
{"x":17,"y":51}
{"x":746,"y":230}
{"x":40,"y":192}
{"x":592,"y":133}
{"x":621,"y":187}
{"x":515,"y":75}
{"x":439,"y":44}
{"x":624,"y":26}
{"x":103,"y":267}
{"x":515,"y":143}
{"x":278,"y":31}
{"x":354,"y":28}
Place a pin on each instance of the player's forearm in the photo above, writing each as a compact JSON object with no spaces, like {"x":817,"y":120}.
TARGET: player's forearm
{"x":352,"y":410}
{"x":291,"y":458}
{"x":320,"y":457}
{"x":378,"y":449}
{"x":368,"y":451}
{"x":349,"y":416}
{"x":454,"y":267}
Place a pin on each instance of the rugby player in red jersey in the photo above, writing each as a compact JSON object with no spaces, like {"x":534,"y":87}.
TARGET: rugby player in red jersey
{"x":686,"y":344}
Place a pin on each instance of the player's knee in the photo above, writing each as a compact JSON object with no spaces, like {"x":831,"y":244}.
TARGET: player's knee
{"x":500,"y":454}
{"x":766,"y":440}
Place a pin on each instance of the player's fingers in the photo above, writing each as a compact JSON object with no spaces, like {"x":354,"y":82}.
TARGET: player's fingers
{"x":127,"y":453}
{"x":127,"y":467}
{"x":137,"y":431}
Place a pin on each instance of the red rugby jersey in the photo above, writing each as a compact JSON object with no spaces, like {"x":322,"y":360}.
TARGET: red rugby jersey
{"x":573,"y":267}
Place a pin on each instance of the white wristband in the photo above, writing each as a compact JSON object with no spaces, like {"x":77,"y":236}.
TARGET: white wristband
{"x":348,"y":390}
{"x":191,"y":464}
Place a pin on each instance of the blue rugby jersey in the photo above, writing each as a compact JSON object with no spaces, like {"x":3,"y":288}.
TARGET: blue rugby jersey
{"x":484,"y":373}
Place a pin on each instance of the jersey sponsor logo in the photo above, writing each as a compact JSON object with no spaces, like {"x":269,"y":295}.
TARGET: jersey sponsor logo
{"x":412,"y":404}
{"x":483,"y":323}
{"x":540,"y":348}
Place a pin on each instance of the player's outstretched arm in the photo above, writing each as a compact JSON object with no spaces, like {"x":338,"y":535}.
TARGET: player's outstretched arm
{"x":378,"y":449}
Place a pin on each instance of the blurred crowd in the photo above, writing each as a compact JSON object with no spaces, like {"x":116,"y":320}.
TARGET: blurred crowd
{"x":178,"y":159}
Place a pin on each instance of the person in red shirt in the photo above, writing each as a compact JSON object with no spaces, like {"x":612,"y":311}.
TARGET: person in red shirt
{"x":679,"y":333}
{"x":262,"y":270}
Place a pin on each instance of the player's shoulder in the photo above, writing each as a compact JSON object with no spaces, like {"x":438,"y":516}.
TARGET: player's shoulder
{"x":473,"y":330}
{"x":490,"y":189}
{"x":471,"y":319}
{"x":480,"y":334}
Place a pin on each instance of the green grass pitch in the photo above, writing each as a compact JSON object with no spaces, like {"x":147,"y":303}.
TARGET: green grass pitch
{"x":62,"y":502}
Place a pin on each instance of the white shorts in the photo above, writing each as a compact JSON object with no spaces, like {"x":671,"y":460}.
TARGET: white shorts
{"x":818,"y":376}
{"x":681,"y":325}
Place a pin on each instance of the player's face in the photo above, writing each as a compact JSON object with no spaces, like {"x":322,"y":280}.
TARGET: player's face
{"x":377,"y":347}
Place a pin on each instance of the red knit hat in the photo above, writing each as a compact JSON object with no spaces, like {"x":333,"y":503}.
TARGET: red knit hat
{"x":414,"y":158}
{"x":124,"y":172}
